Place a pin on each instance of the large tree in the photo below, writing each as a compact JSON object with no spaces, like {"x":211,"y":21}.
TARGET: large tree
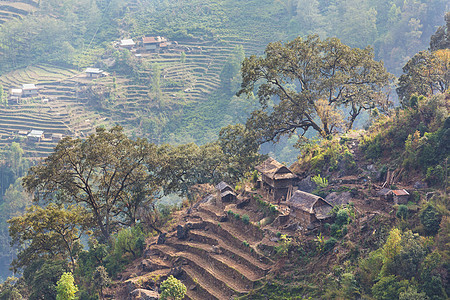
{"x":426,"y":73}
{"x":47,"y":233}
{"x":305,"y":83}
{"x":109,"y":173}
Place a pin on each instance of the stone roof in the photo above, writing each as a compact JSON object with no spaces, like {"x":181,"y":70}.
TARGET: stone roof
{"x":275,"y":170}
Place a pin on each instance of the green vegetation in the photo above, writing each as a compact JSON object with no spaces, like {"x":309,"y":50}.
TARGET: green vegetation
{"x":172,"y":289}
{"x":66,"y":288}
{"x":106,"y":186}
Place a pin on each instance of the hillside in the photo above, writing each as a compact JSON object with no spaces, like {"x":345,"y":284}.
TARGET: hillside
{"x":222,"y":250}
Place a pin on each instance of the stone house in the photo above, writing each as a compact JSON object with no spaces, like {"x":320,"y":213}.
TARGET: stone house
{"x":400,"y":196}
{"x":276,"y":179}
{"x":309,"y":209}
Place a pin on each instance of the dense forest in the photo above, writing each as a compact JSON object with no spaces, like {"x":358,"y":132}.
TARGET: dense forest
{"x":292,"y":79}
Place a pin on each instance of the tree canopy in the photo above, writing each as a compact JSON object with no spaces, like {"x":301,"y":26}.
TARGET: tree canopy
{"x":109,"y":173}
{"x":304,"y":83}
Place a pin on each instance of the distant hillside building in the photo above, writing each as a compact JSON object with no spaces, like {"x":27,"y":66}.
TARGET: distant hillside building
{"x":227,"y":193}
{"x":29,"y":90}
{"x":277,"y":179}
{"x":153,"y":44}
{"x":35,"y":135}
{"x":309,"y":208}
{"x":15,"y":94}
{"x":127,"y":44}
{"x":94,"y":72}
{"x":400,"y":196}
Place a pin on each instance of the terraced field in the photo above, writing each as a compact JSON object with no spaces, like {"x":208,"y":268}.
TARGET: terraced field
{"x":215,"y":257}
{"x":16,"y":9}
{"x":61,"y":100}
{"x":57,"y":109}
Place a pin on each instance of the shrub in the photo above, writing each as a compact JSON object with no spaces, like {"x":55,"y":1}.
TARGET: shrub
{"x":246,"y":219}
{"x":342,"y":217}
{"x":430,"y":219}
{"x":246,"y":244}
{"x":329,"y":244}
{"x":402,"y":212}
{"x":172,"y":288}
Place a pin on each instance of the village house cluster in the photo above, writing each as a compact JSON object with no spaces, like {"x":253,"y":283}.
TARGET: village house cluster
{"x":27,"y":90}
{"x":279,"y":185}
{"x":154,"y":44}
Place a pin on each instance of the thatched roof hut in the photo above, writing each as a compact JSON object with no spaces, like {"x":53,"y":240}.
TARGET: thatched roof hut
{"x":309,"y":208}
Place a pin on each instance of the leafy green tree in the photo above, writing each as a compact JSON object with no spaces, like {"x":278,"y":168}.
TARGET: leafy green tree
{"x":66,"y":287}
{"x":430,"y":219}
{"x":412,"y":294}
{"x":172,"y":289}
{"x":109,"y":173}
{"x":426,"y":73}
{"x":9,"y":290}
{"x":389,"y":287}
{"x":240,"y":150}
{"x":312,"y":79}
{"x":48,"y":232}
{"x":42,"y":275}
{"x":100,"y":280}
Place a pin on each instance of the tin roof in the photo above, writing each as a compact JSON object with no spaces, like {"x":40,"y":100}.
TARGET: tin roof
{"x":29,"y":86}
{"x":36,"y":133}
{"x":400,"y":192}
{"x":127,"y":42}
{"x":93,"y":70}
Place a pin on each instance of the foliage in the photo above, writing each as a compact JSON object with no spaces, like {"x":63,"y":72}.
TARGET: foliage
{"x":389,"y":287}
{"x":402,"y":212}
{"x":313,"y":79}
{"x":430,"y":219}
{"x":109,"y":173}
{"x":321,"y":182}
{"x":127,"y":245}
{"x":41,"y":277}
{"x":48,"y":232}
{"x":172,"y":289}
{"x":246,"y":219}
{"x":426,"y":73}
{"x":100,"y":280}
{"x":9,"y":291}
{"x":412,"y":294}
{"x":284,"y":243}
{"x":66,"y":288}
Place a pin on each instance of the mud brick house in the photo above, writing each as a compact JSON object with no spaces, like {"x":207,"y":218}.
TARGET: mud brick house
{"x":227,"y":193}
{"x":277,"y":179}
{"x":309,"y":209}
